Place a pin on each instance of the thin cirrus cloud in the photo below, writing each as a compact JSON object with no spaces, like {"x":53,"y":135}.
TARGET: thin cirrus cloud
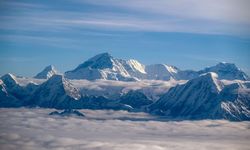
{"x":235,"y":11}
{"x":229,"y":17}
{"x":190,"y":15}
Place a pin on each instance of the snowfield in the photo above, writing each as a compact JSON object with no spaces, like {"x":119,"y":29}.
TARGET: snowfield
{"x":26,"y":129}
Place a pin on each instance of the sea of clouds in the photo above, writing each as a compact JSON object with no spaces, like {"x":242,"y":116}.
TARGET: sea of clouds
{"x":29,"y":129}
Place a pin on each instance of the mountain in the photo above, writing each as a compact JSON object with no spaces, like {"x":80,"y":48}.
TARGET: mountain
{"x":47,"y":72}
{"x":56,"y":92}
{"x":236,"y":101}
{"x":102,"y":66}
{"x":161,"y":72}
{"x":10,"y":81}
{"x":13,"y":88}
{"x":100,"y":102}
{"x":68,"y":113}
{"x":6,"y":99}
{"x":226,"y":71}
{"x":204,"y":97}
{"x":220,"y":91}
{"x":197,"y":99}
{"x":135,"y":99}
{"x":105,"y":66}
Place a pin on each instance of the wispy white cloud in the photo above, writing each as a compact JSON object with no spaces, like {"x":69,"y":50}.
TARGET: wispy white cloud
{"x":209,"y":17}
{"x":229,"y":17}
{"x":234,"y":11}
{"x":68,"y":22}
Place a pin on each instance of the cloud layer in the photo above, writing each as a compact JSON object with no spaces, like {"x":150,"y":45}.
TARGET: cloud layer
{"x":113,"y":89}
{"x":118,"y":130}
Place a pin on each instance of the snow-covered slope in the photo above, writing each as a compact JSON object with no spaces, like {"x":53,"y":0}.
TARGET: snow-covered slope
{"x":9,"y":80}
{"x":102,"y":66}
{"x":57,"y":92}
{"x":6,"y":99}
{"x":197,"y":99}
{"x":205,"y":97}
{"x":135,"y":69}
{"x":226,"y":71}
{"x":47,"y":72}
{"x":161,"y":72}
{"x":13,"y":88}
{"x":236,"y":101}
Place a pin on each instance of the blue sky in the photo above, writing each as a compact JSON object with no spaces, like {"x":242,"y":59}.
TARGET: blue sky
{"x":189,"y":34}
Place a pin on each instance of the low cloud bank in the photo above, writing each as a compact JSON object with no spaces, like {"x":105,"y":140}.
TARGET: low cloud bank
{"x":26,"y":129}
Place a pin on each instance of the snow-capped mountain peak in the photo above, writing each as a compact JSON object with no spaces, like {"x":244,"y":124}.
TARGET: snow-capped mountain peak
{"x":59,"y":80}
{"x":101,"y":56}
{"x":101,"y":66}
{"x":47,"y":72}
{"x":9,"y":79}
{"x":105,"y":66}
{"x":100,"y":61}
{"x":56,"y":92}
{"x":211,"y":78}
{"x":228,"y":71}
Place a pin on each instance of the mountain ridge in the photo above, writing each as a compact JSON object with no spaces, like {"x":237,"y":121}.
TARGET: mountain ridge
{"x":105,"y":66}
{"x":205,"y":97}
{"x":47,"y":72}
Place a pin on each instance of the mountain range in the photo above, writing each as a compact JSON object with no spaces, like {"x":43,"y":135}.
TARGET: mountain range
{"x":105,"y":82}
{"x":105,"y":66}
